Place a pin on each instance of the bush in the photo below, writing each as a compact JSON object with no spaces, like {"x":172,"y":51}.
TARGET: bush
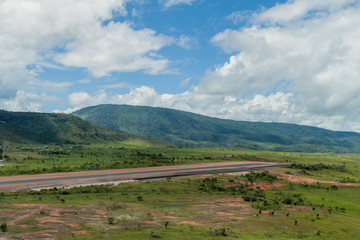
{"x":263,"y":176}
{"x":4,"y":227}
{"x":220,"y":231}
{"x":155,"y":234}
{"x":111,"y":220}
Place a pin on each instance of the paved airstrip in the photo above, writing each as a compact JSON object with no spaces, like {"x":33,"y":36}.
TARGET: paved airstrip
{"x":25,"y":182}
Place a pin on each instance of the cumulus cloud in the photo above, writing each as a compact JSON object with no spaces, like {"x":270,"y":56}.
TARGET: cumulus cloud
{"x":74,"y":34}
{"x":295,"y":10}
{"x":311,"y":45}
{"x":277,"y":105}
{"x":83,"y":99}
{"x":295,"y":62}
{"x":24,"y":101}
{"x":116,"y":47}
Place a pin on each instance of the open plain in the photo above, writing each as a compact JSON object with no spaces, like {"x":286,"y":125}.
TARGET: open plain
{"x":238,"y":193}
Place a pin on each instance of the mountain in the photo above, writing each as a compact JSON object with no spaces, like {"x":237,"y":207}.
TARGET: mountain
{"x":28,"y":127}
{"x":194,"y":130}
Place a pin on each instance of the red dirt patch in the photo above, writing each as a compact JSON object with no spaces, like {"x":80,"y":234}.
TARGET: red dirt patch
{"x":171,"y":217}
{"x":80,"y":232}
{"x":46,"y":220}
{"x":307,"y":180}
{"x":55,"y":213}
{"x":257,"y":185}
{"x":224,"y":214}
{"x":191,"y":223}
{"x":43,"y":234}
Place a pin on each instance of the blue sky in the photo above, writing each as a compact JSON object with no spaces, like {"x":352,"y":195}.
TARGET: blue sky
{"x":291,"y":61}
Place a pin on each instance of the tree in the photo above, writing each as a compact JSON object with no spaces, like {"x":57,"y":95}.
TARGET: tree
{"x":3,"y":227}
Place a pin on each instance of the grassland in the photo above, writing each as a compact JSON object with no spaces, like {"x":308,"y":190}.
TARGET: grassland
{"x":35,"y":159}
{"x":185,"y":208}
{"x":252,"y":206}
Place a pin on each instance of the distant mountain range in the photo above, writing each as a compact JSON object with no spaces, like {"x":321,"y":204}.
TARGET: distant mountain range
{"x":27,"y":127}
{"x":193,"y":130}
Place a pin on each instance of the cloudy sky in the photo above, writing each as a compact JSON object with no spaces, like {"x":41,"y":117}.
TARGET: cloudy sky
{"x":294,"y":61}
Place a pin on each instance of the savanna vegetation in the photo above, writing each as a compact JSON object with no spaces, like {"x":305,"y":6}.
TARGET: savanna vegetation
{"x":254,"y":205}
{"x":210,"y":207}
{"x":315,"y":197}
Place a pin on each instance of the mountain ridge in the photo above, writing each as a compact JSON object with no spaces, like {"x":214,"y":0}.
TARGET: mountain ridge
{"x":194,"y":130}
{"x":58,"y":128}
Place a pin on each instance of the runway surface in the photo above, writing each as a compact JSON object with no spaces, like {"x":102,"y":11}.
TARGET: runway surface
{"x":25,"y":182}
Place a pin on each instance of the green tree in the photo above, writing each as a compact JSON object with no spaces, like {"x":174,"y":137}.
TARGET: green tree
{"x":4,"y":227}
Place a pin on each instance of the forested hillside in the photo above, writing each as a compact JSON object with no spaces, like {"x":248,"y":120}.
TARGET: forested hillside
{"x":194,"y":130}
{"x":27,"y":127}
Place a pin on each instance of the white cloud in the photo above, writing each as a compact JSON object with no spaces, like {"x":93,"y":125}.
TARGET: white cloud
{"x":295,"y":62}
{"x":27,"y":101}
{"x":311,"y":45}
{"x":83,"y":99}
{"x":239,"y":16}
{"x":275,"y":106}
{"x":185,"y":82}
{"x":187,"y":42}
{"x":72,"y":33}
{"x":116,"y":47}
{"x":297,"y":10}
{"x":170,"y":3}
{"x":84,"y":81}
{"x":51,"y":86}
{"x":117,"y":85}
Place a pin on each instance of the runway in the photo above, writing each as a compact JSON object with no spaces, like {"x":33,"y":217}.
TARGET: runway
{"x":26,"y":182}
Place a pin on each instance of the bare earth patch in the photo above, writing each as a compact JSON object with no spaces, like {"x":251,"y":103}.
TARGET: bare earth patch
{"x":307,"y":180}
{"x":257,"y":185}
{"x":191,"y":223}
{"x":42,"y":221}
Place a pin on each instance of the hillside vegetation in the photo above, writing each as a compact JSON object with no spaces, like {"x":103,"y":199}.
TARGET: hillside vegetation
{"x":193,"y":130}
{"x":46,"y":128}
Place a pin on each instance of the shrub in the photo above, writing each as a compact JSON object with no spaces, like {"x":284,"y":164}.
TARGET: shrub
{"x":115,"y":206}
{"x":263,"y":176}
{"x":220,"y":231}
{"x":155,"y":234}
{"x":4,"y":227}
{"x":111,"y":220}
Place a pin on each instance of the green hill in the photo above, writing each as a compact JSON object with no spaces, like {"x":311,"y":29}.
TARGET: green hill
{"x":189,"y":129}
{"x":28,"y":127}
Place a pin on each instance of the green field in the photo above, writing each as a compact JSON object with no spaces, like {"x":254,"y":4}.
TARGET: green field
{"x":186,"y":208}
{"x":36,"y":159}
{"x":252,"y":206}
